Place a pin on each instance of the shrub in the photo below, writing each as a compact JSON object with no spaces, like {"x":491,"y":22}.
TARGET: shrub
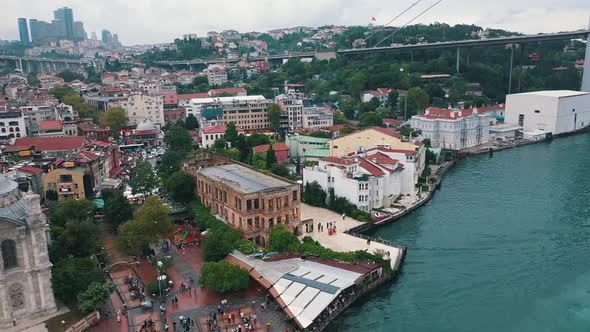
{"x":246,"y":247}
{"x":224,"y":277}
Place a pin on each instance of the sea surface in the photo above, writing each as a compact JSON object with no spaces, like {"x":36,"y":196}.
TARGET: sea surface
{"x":503,"y":246}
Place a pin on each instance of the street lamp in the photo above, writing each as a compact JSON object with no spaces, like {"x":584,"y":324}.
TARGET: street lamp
{"x":160,"y":277}
{"x":405,"y":99}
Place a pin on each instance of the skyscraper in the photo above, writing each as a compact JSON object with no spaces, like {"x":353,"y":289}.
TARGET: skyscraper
{"x":66,"y":15}
{"x":79,"y":32}
{"x":107,"y":37}
{"x":23,"y":30}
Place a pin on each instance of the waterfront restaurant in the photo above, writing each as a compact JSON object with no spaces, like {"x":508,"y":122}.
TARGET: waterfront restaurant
{"x":311,"y":291}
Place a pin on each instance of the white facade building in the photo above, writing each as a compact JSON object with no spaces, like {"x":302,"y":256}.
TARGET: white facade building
{"x":317,"y":117}
{"x":370,"y":179}
{"x":556,"y":112}
{"x":140,"y":107}
{"x":12,"y":126}
{"x":453,"y":129}
{"x":247,"y":112}
{"x":293,"y":108}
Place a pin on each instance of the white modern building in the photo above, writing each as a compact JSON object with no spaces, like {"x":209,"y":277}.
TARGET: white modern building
{"x":317,"y":117}
{"x":247,"y":112}
{"x":369,"y":179}
{"x":453,"y":129}
{"x":210,"y":134}
{"x":140,"y":107}
{"x":554,"y":111}
{"x":293,"y":108}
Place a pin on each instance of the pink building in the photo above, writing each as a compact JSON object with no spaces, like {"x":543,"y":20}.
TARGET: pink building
{"x":170,"y":98}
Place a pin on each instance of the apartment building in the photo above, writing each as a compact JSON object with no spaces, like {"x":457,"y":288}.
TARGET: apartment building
{"x":65,"y":183}
{"x":216,"y":76}
{"x":293,"y":109}
{"x":248,"y":200}
{"x":247,"y":112}
{"x":315,"y":118}
{"x":140,"y":107}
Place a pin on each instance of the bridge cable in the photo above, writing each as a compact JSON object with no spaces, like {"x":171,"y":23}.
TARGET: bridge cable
{"x":395,"y":18}
{"x":410,"y":21}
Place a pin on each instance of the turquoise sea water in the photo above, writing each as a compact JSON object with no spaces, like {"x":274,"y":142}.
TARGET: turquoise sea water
{"x":503,"y":246}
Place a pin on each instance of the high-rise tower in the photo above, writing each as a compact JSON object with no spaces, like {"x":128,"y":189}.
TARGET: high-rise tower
{"x":586,"y":74}
{"x":23,"y":30}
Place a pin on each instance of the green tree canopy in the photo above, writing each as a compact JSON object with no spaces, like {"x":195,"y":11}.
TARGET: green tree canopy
{"x":114,"y":118}
{"x":69,"y":76}
{"x":224,"y":277}
{"x":219,"y":243}
{"x":72,"y":276}
{"x":150,"y":223}
{"x":142,"y":179}
{"x":178,"y":138}
{"x":231,"y":134}
{"x":117,"y":209}
{"x":271,"y":158}
{"x":66,"y":210}
{"x":95,"y":296}
{"x":60,"y":92}
{"x":418,"y":101}
{"x":191,"y":122}
{"x":170,"y":163}
{"x":313,"y":194}
{"x":181,"y":186}
{"x":274,"y":116}
{"x":282,"y":240}
{"x":371,"y":119}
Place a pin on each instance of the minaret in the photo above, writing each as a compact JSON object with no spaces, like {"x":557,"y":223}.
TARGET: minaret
{"x":586,"y":74}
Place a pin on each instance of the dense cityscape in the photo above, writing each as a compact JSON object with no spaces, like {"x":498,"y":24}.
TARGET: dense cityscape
{"x":387,"y":176}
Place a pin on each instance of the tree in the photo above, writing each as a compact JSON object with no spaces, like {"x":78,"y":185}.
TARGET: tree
{"x":66,"y":210}
{"x":259,"y":161}
{"x":280,"y":170}
{"x":244,"y":148}
{"x":76,"y":238}
{"x":274,"y":116}
{"x":191,"y":122}
{"x":282,"y":240}
{"x":69,"y":76}
{"x":181,"y":186}
{"x":178,"y":138}
{"x":95,"y":296}
{"x":418,"y":100}
{"x":257,"y":139}
{"x":117,"y":209}
{"x":115,"y":119}
{"x":142,"y":179}
{"x":78,"y":104}
{"x":60,"y":92}
{"x":298,"y":165}
{"x":72,"y":276}
{"x":271,"y":158}
{"x":219,"y":243}
{"x":224,"y":277}
{"x":371,"y":119}
{"x":427,"y":143}
{"x":313,"y":194}
{"x":407,"y":131}
{"x":339,"y":118}
{"x":231,"y":134}
{"x":392,"y":99}
{"x":150,"y":223}
{"x":170,"y":163}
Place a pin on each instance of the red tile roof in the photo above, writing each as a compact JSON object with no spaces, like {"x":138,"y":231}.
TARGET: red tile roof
{"x":381,"y":158}
{"x":393,"y":121}
{"x":186,"y":96}
{"x":30,"y":170}
{"x":51,"y":125}
{"x":407,"y":152}
{"x":337,"y":160}
{"x":47,"y":143}
{"x":276,"y":147}
{"x":87,"y":128}
{"x":369,"y":167}
{"x":87,"y":156}
{"x":215,"y":129}
{"x":335,"y":127}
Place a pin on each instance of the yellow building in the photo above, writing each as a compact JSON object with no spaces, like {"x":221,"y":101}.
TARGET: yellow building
{"x":67,"y":182}
{"x":367,"y":139}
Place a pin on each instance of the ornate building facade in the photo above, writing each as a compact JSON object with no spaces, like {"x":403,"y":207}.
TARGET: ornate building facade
{"x":25,"y":270}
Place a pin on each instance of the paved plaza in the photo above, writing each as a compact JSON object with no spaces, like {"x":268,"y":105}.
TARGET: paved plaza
{"x":341,"y":241}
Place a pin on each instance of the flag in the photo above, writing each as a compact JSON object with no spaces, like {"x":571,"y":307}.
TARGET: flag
{"x":373,"y":18}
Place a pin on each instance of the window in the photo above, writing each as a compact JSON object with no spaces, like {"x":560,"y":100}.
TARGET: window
{"x":537,"y":111}
{"x":9,"y":254}
{"x":248,"y":204}
{"x":521,"y":120}
{"x":294,"y":195}
{"x":65,"y":178}
{"x":256,"y":204}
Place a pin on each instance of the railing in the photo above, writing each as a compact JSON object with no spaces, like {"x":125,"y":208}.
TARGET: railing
{"x":378,"y":240}
{"x":84,"y":323}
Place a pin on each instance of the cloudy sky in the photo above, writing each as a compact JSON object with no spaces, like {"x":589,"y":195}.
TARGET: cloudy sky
{"x":155,"y":21}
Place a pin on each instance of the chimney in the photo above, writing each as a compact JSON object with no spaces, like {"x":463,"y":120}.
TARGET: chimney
{"x":460,"y":113}
{"x":450,"y":108}
{"x":427,"y":111}
{"x":374,"y":160}
{"x":586,"y":74}
{"x":474,"y":110}
{"x":452,"y":114}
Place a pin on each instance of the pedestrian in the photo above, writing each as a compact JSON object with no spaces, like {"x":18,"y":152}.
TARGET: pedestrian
{"x":174,"y":326}
{"x":343,"y":216}
{"x":368,"y":242}
{"x":119,"y":317}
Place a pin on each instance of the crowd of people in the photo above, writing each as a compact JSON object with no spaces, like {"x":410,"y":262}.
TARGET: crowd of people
{"x":339,"y":304}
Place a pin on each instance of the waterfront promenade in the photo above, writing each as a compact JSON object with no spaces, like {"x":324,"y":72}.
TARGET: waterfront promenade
{"x":342,"y":241}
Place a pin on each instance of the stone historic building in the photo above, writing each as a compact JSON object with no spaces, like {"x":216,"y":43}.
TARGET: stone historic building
{"x":25,"y":270}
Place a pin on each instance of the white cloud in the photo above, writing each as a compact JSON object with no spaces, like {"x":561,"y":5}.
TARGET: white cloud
{"x":152,"y":21}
